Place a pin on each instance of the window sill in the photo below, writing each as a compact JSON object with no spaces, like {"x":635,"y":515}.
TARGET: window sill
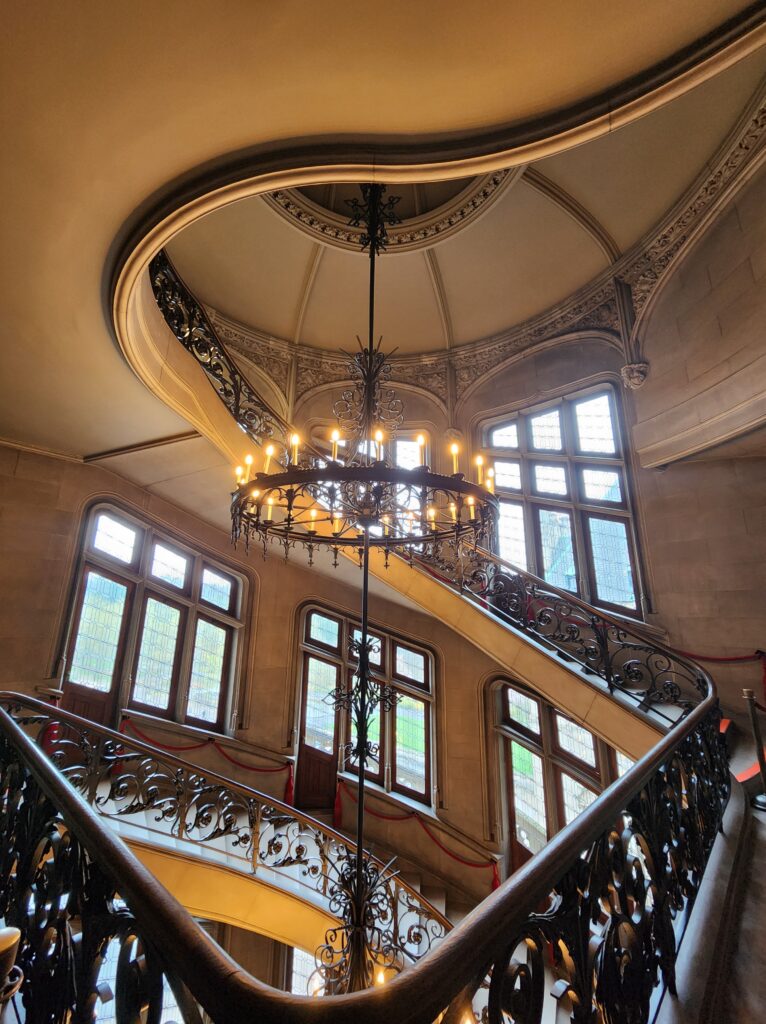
{"x":193,"y":732}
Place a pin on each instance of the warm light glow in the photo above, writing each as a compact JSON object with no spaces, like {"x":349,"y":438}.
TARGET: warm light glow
{"x":313,"y":525}
{"x":454,"y":448}
{"x":422,"y":445}
{"x":479,"y":469}
{"x":269,"y":509}
{"x":491,"y":481}
{"x":249,"y":464}
{"x":337,"y":524}
{"x":269,"y":456}
{"x":335,"y":437}
{"x":432,"y":514}
{"x":386,"y":528}
{"x":239,"y":472}
{"x":255,"y":495}
{"x":294,"y":442}
{"x":471,"y":509}
{"x":380,"y":978}
{"x":453,"y":511}
{"x":379,"y":445}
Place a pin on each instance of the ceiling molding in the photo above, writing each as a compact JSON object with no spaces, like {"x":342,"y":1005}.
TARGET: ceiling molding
{"x":423,"y":230}
{"x":582,"y":217}
{"x":434,"y":273}
{"x":308,"y":285}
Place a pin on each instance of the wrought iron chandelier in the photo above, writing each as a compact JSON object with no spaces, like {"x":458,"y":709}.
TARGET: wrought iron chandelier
{"x":353,"y":504}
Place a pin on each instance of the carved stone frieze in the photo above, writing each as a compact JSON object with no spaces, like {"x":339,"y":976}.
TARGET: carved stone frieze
{"x":645,"y":270}
{"x":269,"y":354}
{"x":413,"y":233}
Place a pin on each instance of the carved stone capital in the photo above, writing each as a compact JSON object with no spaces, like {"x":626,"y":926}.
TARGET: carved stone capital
{"x":634,"y":375}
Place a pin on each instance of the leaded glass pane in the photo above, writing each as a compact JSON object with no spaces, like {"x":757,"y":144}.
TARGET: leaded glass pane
{"x":550,"y":479}
{"x":506,"y":436}
{"x":114,"y":538}
{"x":546,"y":431}
{"x":324,"y":630}
{"x":595,"y":430}
{"x":207,"y":671}
{"x":305,"y":979}
{"x":508,"y":474}
{"x":407,"y":454}
{"x":576,"y":797}
{"x":530,"y":819}
{"x":410,"y":664}
{"x":575,"y":740}
{"x":511,"y":537}
{"x":169,"y":566}
{"x":216,"y":589}
{"x":558,"y":549}
{"x":98,"y":633}
{"x":320,"y":715}
{"x":523,"y":710}
{"x":157,"y":654}
{"x":601,"y":485}
{"x":624,"y":763}
{"x":611,"y":561}
{"x":411,"y":743}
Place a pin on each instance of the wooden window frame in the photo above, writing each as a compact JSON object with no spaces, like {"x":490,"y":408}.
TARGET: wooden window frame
{"x":142,"y":584}
{"x":574,"y":460}
{"x":384,"y":774}
{"x":87,"y":568}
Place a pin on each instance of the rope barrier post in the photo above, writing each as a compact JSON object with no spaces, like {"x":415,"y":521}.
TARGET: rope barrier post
{"x":758,"y":801}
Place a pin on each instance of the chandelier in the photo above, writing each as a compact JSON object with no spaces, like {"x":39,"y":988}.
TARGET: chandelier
{"x":353,"y":498}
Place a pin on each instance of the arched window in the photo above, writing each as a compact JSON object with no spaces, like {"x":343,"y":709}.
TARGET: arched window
{"x":401,"y":737}
{"x":554,"y":768}
{"x":565,"y":507}
{"x":155,"y":626}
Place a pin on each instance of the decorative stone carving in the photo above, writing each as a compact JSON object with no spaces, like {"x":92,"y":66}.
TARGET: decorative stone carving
{"x":413,"y":233}
{"x":634,"y":375}
{"x":269,"y":354}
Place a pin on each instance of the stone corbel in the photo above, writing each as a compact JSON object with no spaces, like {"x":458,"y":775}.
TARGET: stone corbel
{"x":634,"y":375}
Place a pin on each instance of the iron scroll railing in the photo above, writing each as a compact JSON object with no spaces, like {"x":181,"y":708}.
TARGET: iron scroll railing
{"x":161,"y":795}
{"x":592,"y":922}
{"x":603,"y":645}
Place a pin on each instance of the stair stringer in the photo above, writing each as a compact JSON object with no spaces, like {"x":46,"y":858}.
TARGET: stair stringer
{"x":583,"y":698}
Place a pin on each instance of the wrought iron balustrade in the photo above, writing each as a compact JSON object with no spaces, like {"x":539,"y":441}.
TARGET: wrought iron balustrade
{"x":616,"y":886}
{"x":127,"y":780}
{"x":649,"y":674}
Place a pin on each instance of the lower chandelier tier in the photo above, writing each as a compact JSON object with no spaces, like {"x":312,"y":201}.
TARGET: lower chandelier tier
{"x":343,"y":507}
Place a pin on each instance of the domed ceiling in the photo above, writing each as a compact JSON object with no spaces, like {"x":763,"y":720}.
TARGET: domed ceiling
{"x":471,"y":258}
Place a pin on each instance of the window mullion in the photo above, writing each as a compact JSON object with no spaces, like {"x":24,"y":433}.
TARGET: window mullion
{"x":185,"y":663}
{"x":131,"y":646}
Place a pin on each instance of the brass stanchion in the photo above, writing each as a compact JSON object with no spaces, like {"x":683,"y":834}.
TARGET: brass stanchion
{"x":758,"y":801}
{"x":10,"y":975}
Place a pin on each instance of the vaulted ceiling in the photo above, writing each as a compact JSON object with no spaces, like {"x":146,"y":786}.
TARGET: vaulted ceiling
{"x":111,"y":112}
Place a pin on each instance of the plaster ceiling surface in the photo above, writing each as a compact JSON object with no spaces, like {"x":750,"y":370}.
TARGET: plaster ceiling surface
{"x":507,"y":261}
{"x":104,"y":108}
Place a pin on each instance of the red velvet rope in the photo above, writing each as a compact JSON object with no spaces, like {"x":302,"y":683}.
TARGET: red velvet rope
{"x":170,"y":748}
{"x":722,"y":660}
{"x":408,"y":817}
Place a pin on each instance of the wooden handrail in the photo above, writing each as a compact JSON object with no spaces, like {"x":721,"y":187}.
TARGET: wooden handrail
{"x":417,"y":995}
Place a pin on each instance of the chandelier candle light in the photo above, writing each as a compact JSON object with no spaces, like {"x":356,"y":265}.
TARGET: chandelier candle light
{"x":361,"y":501}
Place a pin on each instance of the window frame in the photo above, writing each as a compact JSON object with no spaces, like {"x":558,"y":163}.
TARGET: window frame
{"x":555,"y":759}
{"x":141,"y":585}
{"x":382,"y":774}
{"x":581,"y":508}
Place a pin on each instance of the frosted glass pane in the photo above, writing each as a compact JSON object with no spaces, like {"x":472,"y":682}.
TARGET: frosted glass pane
{"x":320,"y":715}
{"x":114,"y":538}
{"x":169,"y":566}
{"x":546,"y":431}
{"x":157,"y":655}
{"x":595,"y":430}
{"x":576,"y":740}
{"x":528,"y":798}
{"x":601,"y":485}
{"x":550,"y":479}
{"x":216,"y":589}
{"x":410,"y":664}
{"x":407,"y":454}
{"x":98,"y":633}
{"x":411,"y":744}
{"x":508,"y":474}
{"x":558,"y":549}
{"x":611,"y":561}
{"x":524,"y":710}
{"x":207,"y":671}
{"x":506,"y":436}
{"x":324,"y":630}
{"x":576,"y":797}
{"x":511,"y":537}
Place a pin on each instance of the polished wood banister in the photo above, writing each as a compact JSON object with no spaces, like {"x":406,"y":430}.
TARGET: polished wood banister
{"x":417,"y":995}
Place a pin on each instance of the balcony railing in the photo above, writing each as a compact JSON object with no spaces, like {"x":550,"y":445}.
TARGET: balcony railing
{"x":592,"y":922}
{"x":159,"y":795}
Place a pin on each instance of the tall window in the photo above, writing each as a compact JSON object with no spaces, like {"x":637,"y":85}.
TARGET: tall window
{"x":555,"y":769}
{"x":155,"y":623}
{"x":564,"y":503}
{"x":401,"y":737}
